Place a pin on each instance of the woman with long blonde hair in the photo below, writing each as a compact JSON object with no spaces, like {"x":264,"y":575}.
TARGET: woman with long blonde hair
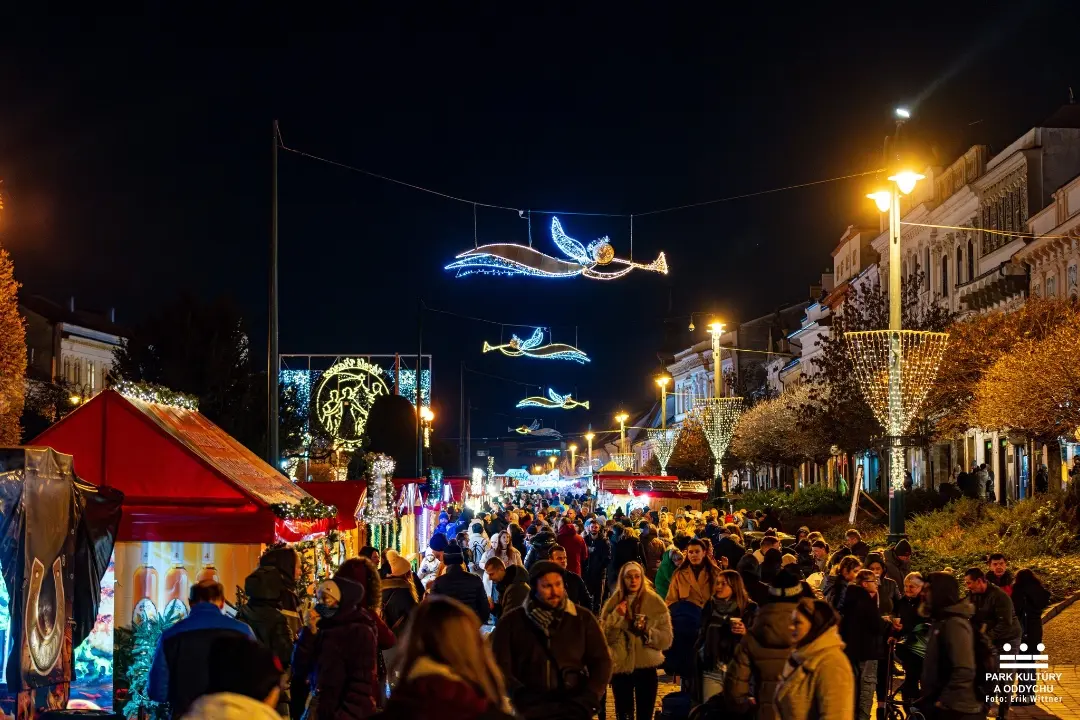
{"x":501,"y":548}
{"x":637,"y":626}
{"x":444,"y":663}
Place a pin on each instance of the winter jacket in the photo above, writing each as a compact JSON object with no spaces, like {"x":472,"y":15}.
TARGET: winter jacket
{"x":577,"y":553}
{"x":399,"y":598}
{"x":576,"y":589}
{"x":464,"y":587}
{"x":685,"y":623}
{"x":730,"y":548}
{"x":478,"y":545}
{"x":627,"y":549}
{"x":512,"y":591}
{"x":514,"y":559}
{"x":340,"y":659}
{"x":716,"y":642}
{"x":1003,"y":581}
{"x":895,"y":568}
{"x":888,"y":596}
{"x":595,"y":570}
{"x":817,"y":682}
{"x":908,"y":612}
{"x":555,"y":676}
{"x":1029,"y":602}
{"x":686,"y":585}
{"x":629,"y":649}
{"x":178,"y":672}
{"x":517,"y":539}
{"x":994,"y":610}
{"x":666,"y":570}
{"x":230,"y":706}
{"x":654,"y":554}
{"x":264,"y":616}
{"x":759,"y":661}
{"x":948,"y":674}
{"x":429,"y":567}
{"x":431,"y":684}
{"x":540,"y":549}
{"x":861,"y":626}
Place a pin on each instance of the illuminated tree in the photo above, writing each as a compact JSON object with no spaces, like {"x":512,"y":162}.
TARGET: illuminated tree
{"x":691,"y":459}
{"x":12,"y":354}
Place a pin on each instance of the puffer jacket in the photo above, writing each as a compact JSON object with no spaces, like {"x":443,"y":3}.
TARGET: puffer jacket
{"x":760,"y":659}
{"x":399,"y":598}
{"x":464,"y":587}
{"x":629,"y":650}
{"x":340,"y":659}
{"x":540,"y":548}
{"x":577,"y":553}
{"x":817,"y":682}
{"x":948,"y":675}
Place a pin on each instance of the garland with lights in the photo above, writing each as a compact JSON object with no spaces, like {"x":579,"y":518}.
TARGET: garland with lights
{"x":379,"y":508}
{"x":434,"y":486}
{"x":157,"y":394}
{"x":307,"y":509}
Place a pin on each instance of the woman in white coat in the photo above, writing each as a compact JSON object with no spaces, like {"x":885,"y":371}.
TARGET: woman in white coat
{"x":637,"y":626}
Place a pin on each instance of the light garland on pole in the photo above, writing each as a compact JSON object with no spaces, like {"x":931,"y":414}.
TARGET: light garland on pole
{"x":719,"y":416}
{"x":663,"y":442}
{"x":156,"y":394}
{"x":553,"y":401}
{"x":435,"y":486}
{"x":534,"y":347}
{"x":514,"y":259}
{"x":380,"y":501}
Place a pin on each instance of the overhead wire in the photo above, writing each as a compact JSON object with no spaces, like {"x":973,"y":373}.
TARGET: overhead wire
{"x":988,"y":231}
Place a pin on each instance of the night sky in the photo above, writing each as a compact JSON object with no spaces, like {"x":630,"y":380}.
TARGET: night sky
{"x":135,"y":156}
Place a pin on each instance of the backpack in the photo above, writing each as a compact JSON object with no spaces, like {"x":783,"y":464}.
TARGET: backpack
{"x":477,"y":553}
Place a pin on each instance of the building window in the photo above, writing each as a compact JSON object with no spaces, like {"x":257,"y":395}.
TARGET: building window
{"x":1072,"y":278}
{"x":971,"y":261}
{"x":945,"y":275}
{"x":92,"y":377}
{"x":959,"y":263}
{"x":1051,"y":287}
{"x":927,"y":269}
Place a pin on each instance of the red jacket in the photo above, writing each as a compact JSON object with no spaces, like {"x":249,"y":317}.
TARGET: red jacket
{"x":577,"y":552}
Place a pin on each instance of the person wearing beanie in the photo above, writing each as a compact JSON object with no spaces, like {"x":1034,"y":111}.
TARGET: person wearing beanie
{"x":245,"y":682}
{"x":552,"y":652}
{"x":817,"y":681}
{"x":898,"y":562}
{"x":760,"y":658}
{"x":948,"y":675}
{"x":399,"y":597}
{"x":441,"y":528}
{"x":460,"y":584}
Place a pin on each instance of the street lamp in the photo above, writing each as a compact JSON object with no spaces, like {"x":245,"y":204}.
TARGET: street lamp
{"x":537,"y":469}
{"x":426,"y":416}
{"x":553,"y":459}
{"x":573,"y":456}
{"x":662,"y":381}
{"x":716,"y":329}
{"x":621,"y":418}
{"x":589,"y":438}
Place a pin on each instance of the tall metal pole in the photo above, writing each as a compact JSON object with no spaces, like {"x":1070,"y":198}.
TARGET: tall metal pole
{"x":663,"y":406}
{"x":718,"y":372}
{"x":461,"y":423}
{"x":419,"y":362}
{"x":273,"y":454}
{"x":896,"y":453}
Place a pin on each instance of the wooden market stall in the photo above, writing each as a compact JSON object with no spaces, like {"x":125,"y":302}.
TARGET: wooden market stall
{"x":654,"y":491}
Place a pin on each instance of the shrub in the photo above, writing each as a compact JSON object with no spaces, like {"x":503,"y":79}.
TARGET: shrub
{"x":810,"y":500}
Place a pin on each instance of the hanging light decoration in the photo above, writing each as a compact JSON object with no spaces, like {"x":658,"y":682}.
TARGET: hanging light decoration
{"x":380,"y":504}
{"x":663,"y":442}
{"x":718,"y":418}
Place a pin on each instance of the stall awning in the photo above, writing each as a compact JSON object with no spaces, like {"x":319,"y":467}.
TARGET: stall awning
{"x":184,"y":479}
{"x":656,"y":485}
{"x":346,"y":496}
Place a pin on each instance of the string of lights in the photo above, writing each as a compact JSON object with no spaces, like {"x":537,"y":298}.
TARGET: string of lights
{"x":522,"y":212}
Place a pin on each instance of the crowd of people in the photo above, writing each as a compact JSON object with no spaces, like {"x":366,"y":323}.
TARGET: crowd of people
{"x":542,"y":606}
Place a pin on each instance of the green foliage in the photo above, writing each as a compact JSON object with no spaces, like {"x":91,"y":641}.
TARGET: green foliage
{"x":144,"y":640}
{"x":810,"y":500}
{"x":308,"y":509}
{"x":12,"y":354}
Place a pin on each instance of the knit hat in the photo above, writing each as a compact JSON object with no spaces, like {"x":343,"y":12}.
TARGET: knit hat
{"x":902,"y":548}
{"x":438,"y":542}
{"x":399,"y":566}
{"x":453,"y":555}
{"x":242,"y":666}
{"x":542,"y":568}
{"x":476,"y":528}
{"x":874,"y":558}
{"x":329,"y":588}
{"x":785,"y":587}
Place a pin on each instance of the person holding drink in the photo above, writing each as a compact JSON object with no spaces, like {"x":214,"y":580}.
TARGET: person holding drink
{"x":724,"y":621}
{"x":637,"y":627}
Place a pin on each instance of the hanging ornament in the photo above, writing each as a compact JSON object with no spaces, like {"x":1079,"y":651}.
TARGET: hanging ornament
{"x":513,"y":259}
{"x":552,"y":401}
{"x":534,"y":348}
{"x":380,"y":505}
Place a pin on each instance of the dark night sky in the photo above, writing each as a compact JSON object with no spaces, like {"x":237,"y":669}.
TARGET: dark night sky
{"x":135,"y":156}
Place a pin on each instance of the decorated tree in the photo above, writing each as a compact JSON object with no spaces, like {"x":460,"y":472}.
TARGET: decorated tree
{"x":691,"y":459}
{"x":771,"y":433}
{"x":12,"y":354}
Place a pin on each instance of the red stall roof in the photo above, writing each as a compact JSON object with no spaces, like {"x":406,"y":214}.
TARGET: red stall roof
{"x":346,"y":496}
{"x":658,"y":485}
{"x":184,"y":479}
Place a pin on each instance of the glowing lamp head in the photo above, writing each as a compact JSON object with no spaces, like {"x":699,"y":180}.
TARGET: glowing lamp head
{"x":692,"y":327}
{"x":75,"y":399}
{"x":716,"y":327}
{"x":426,"y":414}
{"x":906,"y":179}
{"x":663,"y":381}
{"x":589,"y":437}
{"x":537,"y":469}
{"x":621,"y":418}
{"x":903,"y":113}
{"x":881,"y":198}
{"x":573,"y":447}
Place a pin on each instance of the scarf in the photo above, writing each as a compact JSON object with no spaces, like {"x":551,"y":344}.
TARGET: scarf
{"x":728,"y":607}
{"x":541,"y":615}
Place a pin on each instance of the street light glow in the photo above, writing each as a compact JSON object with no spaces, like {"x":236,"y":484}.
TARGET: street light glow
{"x":621,"y":418}
{"x":906,"y":180}
{"x":716,"y":327}
{"x":426,"y":414}
{"x":589,"y":436}
{"x":903,"y":113}
{"x":881,"y":198}
{"x":663,"y":381}
{"x":573,"y":447}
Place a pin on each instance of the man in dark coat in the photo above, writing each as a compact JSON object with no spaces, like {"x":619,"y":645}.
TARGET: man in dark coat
{"x":540,"y":547}
{"x":948,"y":674}
{"x":460,"y":584}
{"x":898,"y":562}
{"x":263,"y":614}
{"x":178,"y":673}
{"x":595,"y":571}
{"x":729,"y":547}
{"x":552,"y":653}
{"x":510,"y":586}
{"x":575,"y":586}
{"x":993,"y":609}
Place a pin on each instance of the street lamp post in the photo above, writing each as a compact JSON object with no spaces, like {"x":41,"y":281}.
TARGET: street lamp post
{"x":589,"y":438}
{"x":426,"y":416}
{"x":716,"y":329}
{"x":663,"y":381}
{"x":621,"y":418}
{"x":573,"y":457}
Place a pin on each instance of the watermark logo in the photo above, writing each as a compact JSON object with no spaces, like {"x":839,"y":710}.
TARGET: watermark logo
{"x":1024,"y":677}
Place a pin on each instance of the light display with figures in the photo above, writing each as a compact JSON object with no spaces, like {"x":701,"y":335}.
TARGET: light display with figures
{"x":535,"y":429}
{"x":513,"y":259}
{"x":553,"y":401}
{"x":344,"y":397}
{"x":534,"y":347}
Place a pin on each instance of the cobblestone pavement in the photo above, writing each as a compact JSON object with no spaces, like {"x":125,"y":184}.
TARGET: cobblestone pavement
{"x":666,"y":686}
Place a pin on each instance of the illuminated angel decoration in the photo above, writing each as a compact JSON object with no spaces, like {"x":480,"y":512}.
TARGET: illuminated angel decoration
{"x":536,"y":430}
{"x":513,"y":259}
{"x":552,"y":401}
{"x":534,"y":347}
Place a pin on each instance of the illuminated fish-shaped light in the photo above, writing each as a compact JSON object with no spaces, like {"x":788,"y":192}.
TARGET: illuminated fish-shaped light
{"x":536,"y":430}
{"x":526,"y":429}
{"x":514,"y":259}
{"x":552,"y":401}
{"x":534,"y":347}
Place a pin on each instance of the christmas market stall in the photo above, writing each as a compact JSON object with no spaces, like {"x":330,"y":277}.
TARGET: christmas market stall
{"x":652,"y":492}
{"x":198,"y":505}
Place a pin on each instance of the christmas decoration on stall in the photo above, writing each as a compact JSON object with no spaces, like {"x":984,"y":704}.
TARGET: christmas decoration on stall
{"x":534,"y":347}
{"x":307,"y":509}
{"x":663,"y":442}
{"x":918,"y":353}
{"x":145,"y":636}
{"x":344,"y":397}
{"x":434,"y":486}
{"x":514,"y":259}
{"x":319,"y":560}
{"x":719,"y":416}
{"x":535,"y":429}
{"x":552,"y":401}
{"x":150,"y":393}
